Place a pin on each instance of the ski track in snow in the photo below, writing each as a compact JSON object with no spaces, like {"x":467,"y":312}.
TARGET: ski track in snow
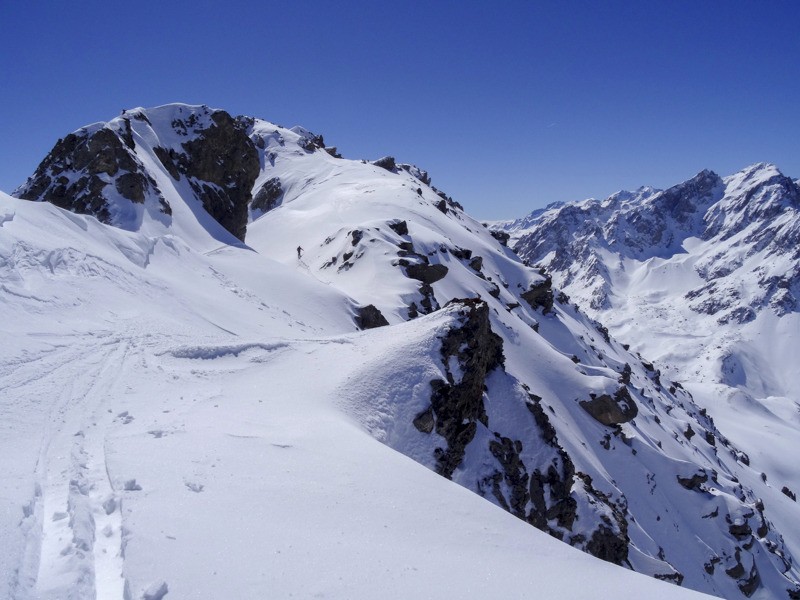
{"x":74,"y":538}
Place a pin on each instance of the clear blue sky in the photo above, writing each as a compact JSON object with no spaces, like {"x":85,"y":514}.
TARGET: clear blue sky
{"x":509,"y":105}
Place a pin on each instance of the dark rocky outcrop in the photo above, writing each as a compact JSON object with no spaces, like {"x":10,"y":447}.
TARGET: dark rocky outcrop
{"x":268,"y":196}
{"x":387,"y":162}
{"x":737,"y":570}
{"x":609,"y":410}
{"x":676,"y":578}
{"x":428,"y":304}
{"x":127,"y":134}
{"x":448,"y":201}
{"x":693,"y":482}
{"x":417,"y":266}
{"x":426,"y":273}
{"x":369,"y":317}
{"x":749,"y":585}
{"x":740,"y":531}
{"x":608,"y":545}
{"x":425,"y":421}
{"x":460,"y":253}
{"x":77,"y":171}
{"x":710,"y":566}
{"x":500,"y":236}
{"x":609,"y":541}
{"x":414,"y":170}
{"x":399,"y":227}
{"x":540,"y":295}
{"x":554,"y":484}
{"x":625,"y":376}
{"x":132,"y":186}
{"x":457,"y":405}
{"x":747,"y":581}
{"x":168,"y":158}
{"x":312,"y":142}
{"x":221,"y":164}
{"x":544,"y":496}
{"x":514,"y":473}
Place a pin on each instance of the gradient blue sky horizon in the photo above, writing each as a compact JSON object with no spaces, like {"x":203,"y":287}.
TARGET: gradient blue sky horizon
{"x":509,"y":105}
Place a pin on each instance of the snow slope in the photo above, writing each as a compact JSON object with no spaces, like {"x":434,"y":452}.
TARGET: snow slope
{"x":148,"y":446}
{"x":192,"y":396}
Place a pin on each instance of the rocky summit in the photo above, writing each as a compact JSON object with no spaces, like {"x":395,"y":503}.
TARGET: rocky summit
{"x":99,"y":170}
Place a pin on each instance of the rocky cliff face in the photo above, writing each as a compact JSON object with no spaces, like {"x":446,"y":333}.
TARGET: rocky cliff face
{"x":220,"y":163}
{"x":529,"y":474}
{"x":106,"y":171}
{"x":94,"y":171}
{"x":473,"y":350}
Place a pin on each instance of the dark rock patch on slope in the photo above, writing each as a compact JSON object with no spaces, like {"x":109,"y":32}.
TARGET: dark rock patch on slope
{"x":369,"y":317}
{"x":76,"y":173}
{"x":457,"y":404}
{"x":221,"y":165}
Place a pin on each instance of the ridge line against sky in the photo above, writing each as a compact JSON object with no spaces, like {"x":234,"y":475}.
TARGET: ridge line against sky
{"x":510,"y":106}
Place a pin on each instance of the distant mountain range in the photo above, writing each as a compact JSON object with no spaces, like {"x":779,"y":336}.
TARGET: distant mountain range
{"x":211,"y":319}
{"x":703,"y":277}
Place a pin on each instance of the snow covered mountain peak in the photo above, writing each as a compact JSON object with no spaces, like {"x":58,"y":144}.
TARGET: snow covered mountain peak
{"x":133,"y":170}
{"x":754,"y":197}
{"x":640,"y":193}
{"x":758,"y":206}
{"x":367,"y":305}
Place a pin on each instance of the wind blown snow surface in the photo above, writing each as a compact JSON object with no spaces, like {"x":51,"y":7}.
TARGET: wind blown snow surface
{"x":188,"y":416}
